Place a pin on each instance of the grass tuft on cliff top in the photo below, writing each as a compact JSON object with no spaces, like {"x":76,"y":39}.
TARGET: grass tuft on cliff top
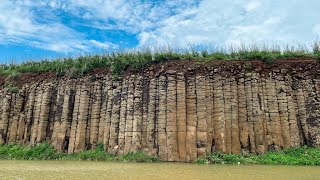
{"x":120,"y":61}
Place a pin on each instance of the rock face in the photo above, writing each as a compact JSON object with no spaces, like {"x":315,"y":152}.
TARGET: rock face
{"x":176,"y":115}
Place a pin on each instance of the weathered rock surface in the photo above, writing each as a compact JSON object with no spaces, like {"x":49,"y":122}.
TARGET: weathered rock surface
{"x":176,"y":115}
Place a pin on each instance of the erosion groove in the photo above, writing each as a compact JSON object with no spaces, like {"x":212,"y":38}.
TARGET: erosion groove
{"x":175,"y":114}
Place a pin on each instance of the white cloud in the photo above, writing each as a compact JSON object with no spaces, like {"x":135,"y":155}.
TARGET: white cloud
{"x":255,"y":32}
{"x":102,"y":45}
{"x":220,"y":22}
{"x":155,"y":23}
{"x":133,"y":16}
{"x":253,"y":5}
{"x":18,"y":26}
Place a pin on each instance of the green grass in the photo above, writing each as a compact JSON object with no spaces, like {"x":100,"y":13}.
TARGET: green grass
{"x":292,"y":156}
{"x":136,"y":60}
{"x":44,"y":151}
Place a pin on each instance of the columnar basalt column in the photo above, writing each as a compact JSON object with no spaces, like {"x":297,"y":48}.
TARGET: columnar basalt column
{"x":218,"y":115}
{"x":283,"y":110}
{"x":151,"y":118}
{"x":201,"y":117}
{"x":268,"y":124}
{"x":29,"y":114}
{"x":263,"y":145}
{"x":292,"y":115}
{"x":181,"y":115}
{"x":16,"y":116}
{"x":75,"y":117}
{"x":312,"y":103}
{"x":257,"y":115}
{"x":123,"y":116}
{"x":10,"y":119}
{"x":56,"y":115}
{"x":243,"y":123}
{"x":130,"y":112}
{"x":251,"y":122}
{"x":44,"y":113}
{"x":102,"y":118}
{"x":227,"y":95}
{"x":22,"y":116}
{"x":137,"y":116}
{"x":162,"y":118}
{"x":63,"y":135}
{"x":235,"y":139}
{"x":107,"y":115}
{"x":191,"y":136}
{"x":95,"y":114}
{"x":82,"y":119}
{"x":314,"y":111}
{"x":145,"y":112}
{"x":37,"y":110}
{"x":209,"y":110}
{"x":275,"y":126}
{"x":171,"y":125}
{"x":115,"y":116}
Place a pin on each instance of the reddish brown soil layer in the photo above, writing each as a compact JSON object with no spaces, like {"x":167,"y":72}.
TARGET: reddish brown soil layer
{"x":298,"y":65}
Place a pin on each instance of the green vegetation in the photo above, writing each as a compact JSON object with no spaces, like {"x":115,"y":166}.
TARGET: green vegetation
{"x":12,"y":89}
{"x":292,"y":156}
{"x":44,"y":151}
{"x":137,"y":60}
{"x":40,"y":152}
{"x":316,"y":50}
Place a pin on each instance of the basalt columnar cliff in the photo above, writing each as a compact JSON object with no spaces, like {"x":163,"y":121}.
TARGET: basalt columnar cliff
{"x":177,"y":110}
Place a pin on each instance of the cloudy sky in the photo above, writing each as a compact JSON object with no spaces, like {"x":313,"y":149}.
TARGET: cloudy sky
{"x":44,"y":28}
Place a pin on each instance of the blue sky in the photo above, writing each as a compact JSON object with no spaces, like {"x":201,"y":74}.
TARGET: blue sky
{"x":32,"y":29}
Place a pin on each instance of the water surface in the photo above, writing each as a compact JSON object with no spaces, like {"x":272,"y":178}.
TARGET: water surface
{"x":119,"y":170}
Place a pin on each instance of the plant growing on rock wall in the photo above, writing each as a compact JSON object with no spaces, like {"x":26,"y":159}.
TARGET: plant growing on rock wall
{"x":12,"y":89}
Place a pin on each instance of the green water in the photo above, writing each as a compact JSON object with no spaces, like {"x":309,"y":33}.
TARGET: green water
{"x":119,"y":170}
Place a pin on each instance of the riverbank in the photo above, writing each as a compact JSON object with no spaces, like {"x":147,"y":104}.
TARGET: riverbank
{"x":292,"y":156}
